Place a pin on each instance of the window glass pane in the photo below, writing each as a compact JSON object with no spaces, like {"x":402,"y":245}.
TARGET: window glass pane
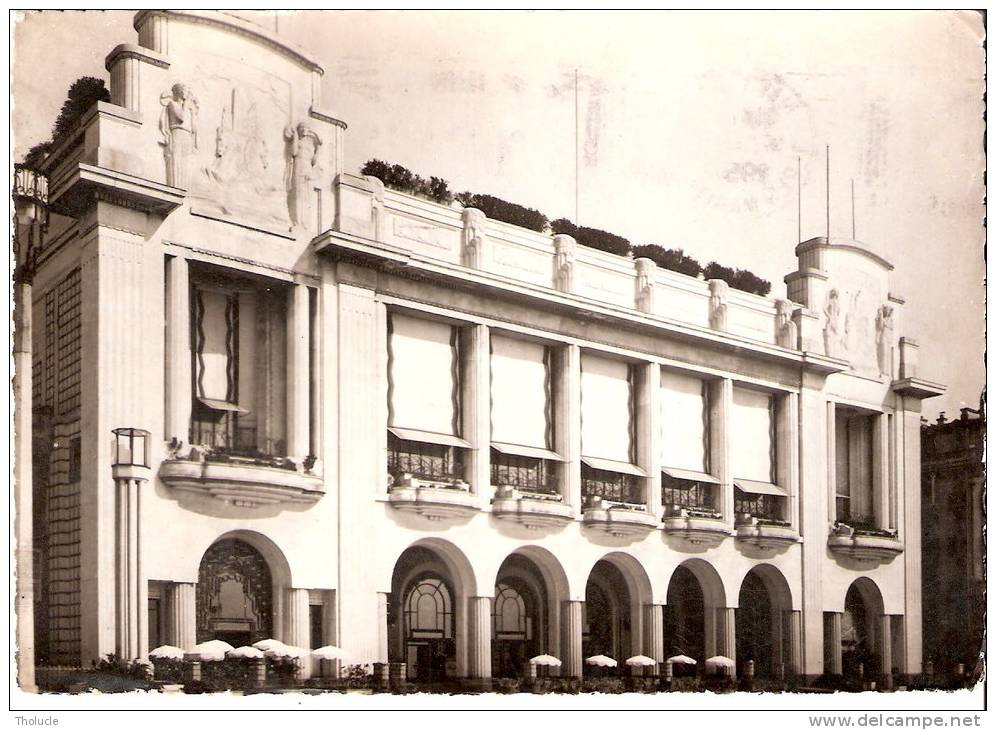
{"x":519,"y":393}
{"x":423,"y":372}
{"x":842,"y":456}
{"x":248,"y":361}
{"x":683,"y":422}
{"x":750,"y":435}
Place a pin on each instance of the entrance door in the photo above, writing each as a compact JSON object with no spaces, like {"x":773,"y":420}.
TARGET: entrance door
{"x":429,"y":629}
{"x":234,"y":594}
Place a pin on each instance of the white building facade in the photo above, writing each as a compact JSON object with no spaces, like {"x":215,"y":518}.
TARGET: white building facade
{"x":428,"y":437}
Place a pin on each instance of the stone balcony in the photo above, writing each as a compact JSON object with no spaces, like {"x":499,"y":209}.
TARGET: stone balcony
{"x":697,"y":528}
{"x":242,"y":483}
{"x":434,"y":500}
{"x":865,"y":545}
{"x":765,"y":534}
{"x":618,"y":519}
{"x":531,"y":509}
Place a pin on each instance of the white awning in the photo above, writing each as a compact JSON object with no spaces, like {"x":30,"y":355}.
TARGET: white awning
{"x":684,"y":421}
{"x":520,"y":392}
{"x":691,"y":476}
{"x":751,"y":435}
{"x":752,"y":487}
{"x":423,"y":370}
{"x":620,"y":467}
{"x":530,"y":451}
{"x":606,"y":408}
{"x":428,"y":437}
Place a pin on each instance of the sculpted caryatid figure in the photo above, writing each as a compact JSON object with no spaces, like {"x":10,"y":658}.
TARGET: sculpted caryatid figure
{"x":178,"y":126}
{"x":883,"y":337}
{"x":302,"y":168}
{"x":717,"y":304}
{"x":831,"y":327}
{"x":473,"y":237}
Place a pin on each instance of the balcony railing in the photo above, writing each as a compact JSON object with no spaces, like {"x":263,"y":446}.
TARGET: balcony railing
{"x":525,"y":473}
{"x":612,"y":486}
{"x":766,"y":508}
{"x":224,"y":433}
{"x":695,"y":497}
{"x":431,"y":462}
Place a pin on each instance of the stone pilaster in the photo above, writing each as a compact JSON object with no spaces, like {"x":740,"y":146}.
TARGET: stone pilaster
{"x":23,"y":493}
{"x":297,"y":623}
{"x":382,"y":641}
{"x":648,"y":433}
{"x":814,"y":498}
{"x":477,"y":409}
{"x":572,"y":661}
{"x":178,"y":378}
{"x":568,"y":419}
{"x":881,"y":481}
{"x":479,"y":637}
{"x":885,"y":647}
{"x":720,"y":404}
{"x":909,"y":508}
{"x":298,"y":372}
{"x":181,"y":629}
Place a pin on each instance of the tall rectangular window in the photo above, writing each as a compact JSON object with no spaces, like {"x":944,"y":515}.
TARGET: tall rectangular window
{"x":521,"y":400}
{"x":684,"y":421}
{"x":424,"y":401}
{"x":853,"y":433}
{"x":753,"y":443}
{"x":607,"y":423}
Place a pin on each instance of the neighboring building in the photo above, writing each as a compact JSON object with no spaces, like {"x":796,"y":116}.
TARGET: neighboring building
{"x":432,"y":438}
{"x":953,"y":503}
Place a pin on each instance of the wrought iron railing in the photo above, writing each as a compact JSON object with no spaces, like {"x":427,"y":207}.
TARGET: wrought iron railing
{"x":525,"y":473}
{"x":764,"y":507}
{"x":432,"y":462}
{"x":611,"y":486}
{"x":685,"y":494}
{"x":225,"y":434}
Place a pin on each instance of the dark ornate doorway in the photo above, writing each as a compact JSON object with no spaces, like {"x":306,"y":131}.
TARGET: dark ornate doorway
{"x":234,"y":594}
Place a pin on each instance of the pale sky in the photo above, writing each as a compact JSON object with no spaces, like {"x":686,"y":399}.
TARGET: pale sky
{"x":690,"y":128}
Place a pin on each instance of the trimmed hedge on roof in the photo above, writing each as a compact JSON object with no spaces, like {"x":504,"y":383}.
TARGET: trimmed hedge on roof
{"x":400,"y":178}
{"x":593,"y":237}
{"x":83,"y":93}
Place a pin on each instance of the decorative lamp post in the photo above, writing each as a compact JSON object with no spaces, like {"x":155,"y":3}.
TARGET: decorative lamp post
{"x":130,"y":468}
{"x":30,"y":195}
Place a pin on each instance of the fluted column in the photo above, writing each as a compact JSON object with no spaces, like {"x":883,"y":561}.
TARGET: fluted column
{"x":383,"y":653}
{"x":653,"y":634}
{"x":297,"y":624}
{"x":572,"y":660}
{"x":795,"y":642}
{"x":178,"y":395}
{"x":298,"y":372}
{"x":182,"y":627}
{"x":710,"y":621}
{"x":834,"y":650}
{"x":727,"y":627}
{"x":477,"y":409}
{"x":479,"y":636}
{"x":885,"y":648}
{"x":568,"y":419}
{"x":129,"y":608}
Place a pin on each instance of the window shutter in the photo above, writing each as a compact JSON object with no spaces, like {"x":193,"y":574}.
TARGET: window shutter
{"x":750,"y":435}
{"x":684,"y":422}
{"x":423,"y":375}
{"x":606,"y":409}
{"x":520,"y":393}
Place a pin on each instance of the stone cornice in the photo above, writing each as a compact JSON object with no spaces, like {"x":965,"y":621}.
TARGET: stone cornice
{"x":403,"y":262}
{"x":129,"y":50}
{"x":843,"y":243}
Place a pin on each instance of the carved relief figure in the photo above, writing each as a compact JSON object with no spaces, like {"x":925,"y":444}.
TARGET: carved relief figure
{"x":178,"y":126}
{"x":473,"y":237}
{"x":563,"y":266}
{"x":645,"y":270}
{"x":377,"y":206}
{"x":786,"y":331}
{"x":302,"y":168}
{"x":831,"y":326}
{"x":717,"y":304}
{"x":883,"y":339}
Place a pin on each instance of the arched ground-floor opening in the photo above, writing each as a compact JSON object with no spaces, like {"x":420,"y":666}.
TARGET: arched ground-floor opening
{"x":684,"y":616}
{"x":764,"y":623}
{"x":862,"y":641}
{"x":521,"y":617}
{"x":235,"y":594}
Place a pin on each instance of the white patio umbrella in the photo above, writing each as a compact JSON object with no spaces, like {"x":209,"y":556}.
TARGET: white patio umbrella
{"x":681,"y":659}
{"x":166,"y":652}
{"x":265,"y":644}
{"x":245,"y":652}
{"x":600,"y":660}
{"x":291,"y":652}
{"x":640,"y":661}
{"x":720,"y":662}
{"x":545,"y":660}
{"x":329,"y":652}
{"x":209,"y":651}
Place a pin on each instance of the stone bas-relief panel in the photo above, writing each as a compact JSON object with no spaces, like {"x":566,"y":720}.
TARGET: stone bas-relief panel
{"x":852,"y":319}
{"x":231,"y":140}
